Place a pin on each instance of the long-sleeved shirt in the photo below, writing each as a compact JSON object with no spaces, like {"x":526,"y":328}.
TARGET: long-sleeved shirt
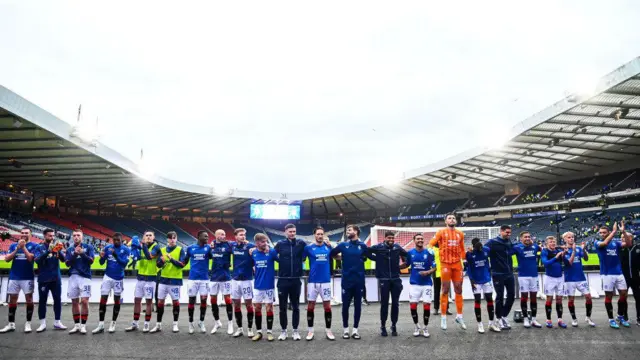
{"x":290,"y":257}
{"x":242,"y":262}
{"x":450,"y":241}
{"x":387,"y":260}
{"x":199,"y":256}
{"x":221,"y":255}
{"x":265,"y":269}
{"x":48,"y":263}
{"x":354,"y":254}
{"x":552,"y":265}
{"x":80,"y":264}
{"x":117,"y":259}
{"x":478,"y":266}
{"x":500,"y":252}
{"x":176,"y":262}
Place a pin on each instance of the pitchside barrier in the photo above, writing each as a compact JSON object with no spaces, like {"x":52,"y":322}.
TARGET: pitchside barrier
{"x":371,"y":282}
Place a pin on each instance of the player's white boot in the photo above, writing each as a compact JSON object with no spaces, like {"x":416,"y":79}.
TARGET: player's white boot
{"x":460,"y":322}
{"x":112,"y":327}
{"x":296,"y":335}
{"x":42,"y":327}
{"x":345,"y":333}
{"x":74,"y":329}
{"x":216,"y":325}
{"x":425,"y":332}
{"x":283,"y":335}
{"x":250,"y":332}
{"x":99,"y":329}
{"x":134,"y":327}
{"x":10,"y":327}
{"x":230,"y":328}
{"x":329,"y":334}
{"x":443,"y":322}
{"x":493,"y":327}
{"x":58,"y":325}
{"x":355,"y":334}
{"x":27,"y":327}
{"x":574,"y":322}
{"x":201,"y":326}
{"x":146,"y":327}
{"x":527,"y":322}
{"x":175,"y":327}
{"x":192,"y":328}
{"x":416,"y":331}
{"x":83,"y":329}
{"x":156,"y":328}
{"x":535,"y":323}
{"x":480,"y":328}
{"x":309,"y":335}
{"x":591,"y":323}
{"x":239,"y":332}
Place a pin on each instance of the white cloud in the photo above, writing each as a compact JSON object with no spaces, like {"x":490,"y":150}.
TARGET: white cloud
{"x":293,"y":96}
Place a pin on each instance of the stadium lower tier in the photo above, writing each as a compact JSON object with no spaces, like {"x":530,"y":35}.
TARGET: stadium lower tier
{"x":372,"y":294}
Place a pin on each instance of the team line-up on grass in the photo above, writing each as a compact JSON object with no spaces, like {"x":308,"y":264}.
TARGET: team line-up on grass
{"x":252,"y":278}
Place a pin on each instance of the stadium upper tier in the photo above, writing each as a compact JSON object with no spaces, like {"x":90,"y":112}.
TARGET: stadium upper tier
{"x":580,"y":135}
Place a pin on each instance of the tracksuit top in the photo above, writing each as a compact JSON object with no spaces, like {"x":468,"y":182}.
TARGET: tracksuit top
{"x":291,"y":258}
{"x":387,"y":260}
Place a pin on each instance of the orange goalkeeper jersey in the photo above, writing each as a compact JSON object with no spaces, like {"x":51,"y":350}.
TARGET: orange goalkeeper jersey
{"x":451,"y":244}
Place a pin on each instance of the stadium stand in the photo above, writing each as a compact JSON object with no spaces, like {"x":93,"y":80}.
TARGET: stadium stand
{"x":193,"y":228}
{"x":228,"y":228}
{"x":165,"y":226}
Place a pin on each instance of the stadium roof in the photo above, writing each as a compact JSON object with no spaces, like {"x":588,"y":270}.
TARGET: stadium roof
{"x":598,"y":131}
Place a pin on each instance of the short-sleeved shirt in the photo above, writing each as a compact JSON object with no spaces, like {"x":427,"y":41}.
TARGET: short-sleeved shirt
{"x":527,"y":259}
{"x":574,"y":272}
{"x":319,"y":263}
{"x":610,"y":257}
{"x":420,"y":261}
{"x":21,"y":268}
{"x":199,"y":257}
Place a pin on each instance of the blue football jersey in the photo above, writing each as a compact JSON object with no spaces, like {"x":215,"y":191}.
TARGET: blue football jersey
{"x":319,"y":263}
{"x":574,"y":272}
{"x":199,"y":257}
{"x":610,"y":257}
{"x":21,"y":268}
{"x":552,"y":266}
{"x":527,"y":259}
{"x":242,"y":263}
{"x":478,"y":266}
{"x":117,"y":259}
{"x":420,"y":261}
{"x":265,"y":269}
{"x":221,"y":255}
{"x":80,"y":264}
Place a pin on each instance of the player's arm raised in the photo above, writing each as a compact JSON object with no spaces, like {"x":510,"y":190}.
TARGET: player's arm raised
{"x":435,"y":240}
{"x":607,"y":240}
{"x":11,"y":255}
{"x":28,"y":253}
{"x":627,"y":238}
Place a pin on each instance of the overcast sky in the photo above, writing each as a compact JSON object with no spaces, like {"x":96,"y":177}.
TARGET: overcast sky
{"x":288,"y":96}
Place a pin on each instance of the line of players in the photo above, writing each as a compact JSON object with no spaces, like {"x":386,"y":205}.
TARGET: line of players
{"x":163,"y":266}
